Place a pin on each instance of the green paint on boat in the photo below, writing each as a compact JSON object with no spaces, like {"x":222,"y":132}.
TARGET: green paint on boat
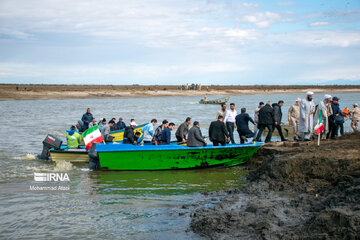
{"x":165,"y":157}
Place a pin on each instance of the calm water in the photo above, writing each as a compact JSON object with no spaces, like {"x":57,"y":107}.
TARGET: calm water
{"x":104,"y":205}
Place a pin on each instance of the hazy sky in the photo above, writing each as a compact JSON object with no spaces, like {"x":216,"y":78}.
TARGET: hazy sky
{"x":177,"y":42}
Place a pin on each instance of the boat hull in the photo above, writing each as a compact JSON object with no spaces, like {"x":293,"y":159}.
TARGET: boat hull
{"x":74,"y":156}
{"x":168,"y":157}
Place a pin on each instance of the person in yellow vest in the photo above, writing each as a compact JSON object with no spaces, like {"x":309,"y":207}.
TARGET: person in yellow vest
{"x":73,"y":138}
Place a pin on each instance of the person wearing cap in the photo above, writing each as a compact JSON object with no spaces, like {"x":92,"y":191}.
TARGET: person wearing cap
{"x":195,"y":138}
{"x":336,"y":118}
{"x":73,"y":138}
{"x":120,"y":124}
{"x":355,"y":117}
{"x":148,"y":131}
{"x":294,"y":118}
{"x":129,"y":135}
{"x":323,"y":108}
{"x":307,"y":109}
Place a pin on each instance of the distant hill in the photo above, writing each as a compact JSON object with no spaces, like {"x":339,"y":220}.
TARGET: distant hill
{"x":333,"y":82}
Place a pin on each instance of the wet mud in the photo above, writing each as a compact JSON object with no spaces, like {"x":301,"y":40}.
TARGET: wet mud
{"x":294,"y":191}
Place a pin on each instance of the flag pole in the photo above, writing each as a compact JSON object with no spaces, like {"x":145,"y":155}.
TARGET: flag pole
{"x":319,"y":139}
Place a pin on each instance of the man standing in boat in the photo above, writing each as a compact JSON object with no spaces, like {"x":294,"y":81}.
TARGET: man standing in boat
{"x":230,"y":121}
{"x":222,"y":111}
{"x":156,"y":139}
{"x":166,"y":134}
{"x":218,"y":133}
{"x":182,"y":131}
{"x":129,"y":135}
{"x":148,"y":131}
{"x":105,"y":132}
{"x":87,"y":118}
{"x":195,"y":138}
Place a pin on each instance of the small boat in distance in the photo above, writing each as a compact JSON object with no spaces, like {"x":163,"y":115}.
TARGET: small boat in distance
{"x":215,"y":101}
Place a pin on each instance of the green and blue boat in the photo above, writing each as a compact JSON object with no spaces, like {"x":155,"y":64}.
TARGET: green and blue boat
{"x":169,"y":157}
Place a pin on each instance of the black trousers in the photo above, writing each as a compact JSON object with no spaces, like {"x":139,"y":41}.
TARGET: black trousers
{"x":332,"y":128}
{"x":216,"y":143}
{"x":179,"y":139}
{"x":230,"y":127}
{"x":278,"y":127}
{"x":245,"y":133}
{"x":261,"y":129}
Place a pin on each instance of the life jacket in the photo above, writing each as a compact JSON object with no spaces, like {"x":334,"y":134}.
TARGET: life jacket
{"x":346,"y":111}
{"x":72,"y":140}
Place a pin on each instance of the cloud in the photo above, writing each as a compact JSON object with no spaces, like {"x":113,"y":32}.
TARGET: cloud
{"x":342,"y":72}
{"x":250,"y":5}
{"x":154,"y":24}
{"x":262,"y":20}
{"x":316,"y":24}
{"x":285,"y":3}
{"x":112,"y":72}
{"x":317,"y":38}
{"x":14,"y":34}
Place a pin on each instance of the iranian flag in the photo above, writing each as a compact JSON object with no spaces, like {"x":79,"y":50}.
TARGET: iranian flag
{"x":319,"y":126}
{"x":92,"y":135}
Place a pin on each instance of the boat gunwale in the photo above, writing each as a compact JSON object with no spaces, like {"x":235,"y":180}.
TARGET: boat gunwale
{"x":173,"y":148}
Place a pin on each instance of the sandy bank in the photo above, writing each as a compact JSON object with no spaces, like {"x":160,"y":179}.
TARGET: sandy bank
{"x":297,"y":191}
{"x":16,"y":91}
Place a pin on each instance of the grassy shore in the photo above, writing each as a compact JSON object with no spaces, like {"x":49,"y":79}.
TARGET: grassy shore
{"x":42,"y":91}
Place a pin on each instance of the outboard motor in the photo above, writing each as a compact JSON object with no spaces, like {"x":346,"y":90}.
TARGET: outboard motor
{"x":94,"y":162}
{"x":49,"y":142}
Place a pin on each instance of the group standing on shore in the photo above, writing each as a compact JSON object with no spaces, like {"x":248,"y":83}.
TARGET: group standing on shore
{"x":302,"y":116}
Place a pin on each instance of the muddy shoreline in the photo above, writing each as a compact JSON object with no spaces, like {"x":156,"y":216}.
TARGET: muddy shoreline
{"x":294,"y":191}
{"x":40,"y":91}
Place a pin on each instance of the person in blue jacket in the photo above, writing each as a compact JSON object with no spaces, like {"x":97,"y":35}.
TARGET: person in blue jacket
{"x":166,"y":134}
{"x":87,"y":118}
{"x":120,"y":124}
{"x":148,"y":131}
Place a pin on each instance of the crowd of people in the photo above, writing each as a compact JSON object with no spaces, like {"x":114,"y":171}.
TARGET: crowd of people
{"x":301,"y":116}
